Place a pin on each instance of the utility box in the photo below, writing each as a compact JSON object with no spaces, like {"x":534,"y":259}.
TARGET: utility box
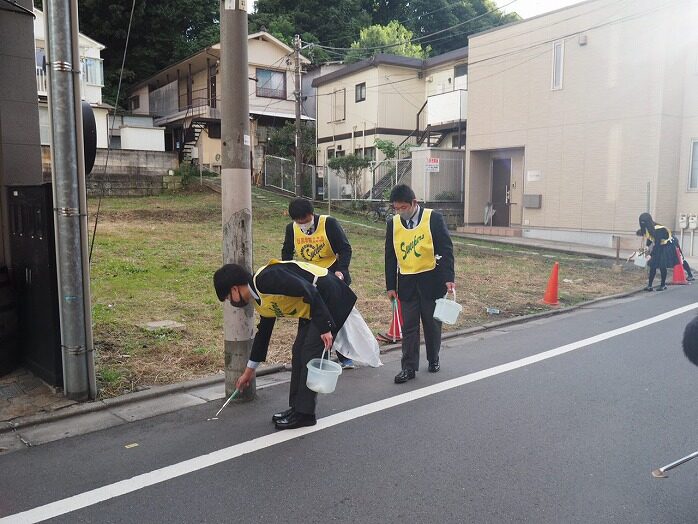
{"x":532,"y":201}
{"x":33,"y":271}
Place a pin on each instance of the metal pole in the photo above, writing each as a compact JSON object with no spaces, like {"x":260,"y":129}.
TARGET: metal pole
{"x":236,"y":184}
{"x":297,"y":93}
{"x":69,"y":199}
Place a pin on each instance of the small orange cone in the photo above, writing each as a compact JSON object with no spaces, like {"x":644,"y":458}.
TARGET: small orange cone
{"x":679,"y":277}
{"x":395,"y":331}
{"x":550,"y":296}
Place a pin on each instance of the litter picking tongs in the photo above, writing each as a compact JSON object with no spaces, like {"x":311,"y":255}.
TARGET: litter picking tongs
{"x":231,"y":397}
{"x":660,"y":473}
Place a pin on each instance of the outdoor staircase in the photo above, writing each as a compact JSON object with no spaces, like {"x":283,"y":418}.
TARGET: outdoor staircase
{"x":191,"y":137}
{"x":434,"y":136}
{"x":404,"y":170}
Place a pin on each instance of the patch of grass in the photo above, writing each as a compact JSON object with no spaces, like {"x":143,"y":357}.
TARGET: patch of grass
{"x":154,"y":258}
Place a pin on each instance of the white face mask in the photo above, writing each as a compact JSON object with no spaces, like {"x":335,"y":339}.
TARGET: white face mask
{"x":406,"y":215}
{"x":306,"y":228}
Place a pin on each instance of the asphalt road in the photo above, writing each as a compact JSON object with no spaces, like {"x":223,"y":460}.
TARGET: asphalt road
{"x":571,"y":437}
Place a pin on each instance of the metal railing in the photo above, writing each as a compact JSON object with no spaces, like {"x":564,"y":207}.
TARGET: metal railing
{"x":280,"y":173}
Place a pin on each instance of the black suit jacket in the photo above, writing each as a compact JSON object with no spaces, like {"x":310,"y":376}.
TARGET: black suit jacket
{"x":331,"y":301}
{"x":432,"y":283}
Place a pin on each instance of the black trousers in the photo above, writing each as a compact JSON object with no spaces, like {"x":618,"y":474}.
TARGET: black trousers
{"x":307,"y":346}
{"x":413,"y":310}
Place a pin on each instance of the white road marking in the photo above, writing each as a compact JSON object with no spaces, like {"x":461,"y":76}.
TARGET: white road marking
{"x":117,"y":489}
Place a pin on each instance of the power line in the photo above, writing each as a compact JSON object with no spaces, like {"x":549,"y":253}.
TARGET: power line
{"x":417,"y":39}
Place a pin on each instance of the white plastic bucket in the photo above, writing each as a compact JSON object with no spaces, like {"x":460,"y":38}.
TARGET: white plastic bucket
{"x":447,"y":310}
{"x":323,"y":374}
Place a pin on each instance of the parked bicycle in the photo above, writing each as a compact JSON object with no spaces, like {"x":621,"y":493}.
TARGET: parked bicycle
{"x":381,"y":211}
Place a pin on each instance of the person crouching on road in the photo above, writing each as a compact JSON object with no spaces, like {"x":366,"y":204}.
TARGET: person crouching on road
{"x":320,"y":240}
{"x":322,"y":303}
{"x":663,"y":254}
{"x":418,"y":268}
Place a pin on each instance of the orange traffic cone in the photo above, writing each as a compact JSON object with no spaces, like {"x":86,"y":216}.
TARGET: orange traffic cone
{"x":679,"y":277}
{"x":550,"y":296}
{"x":395,"y":331}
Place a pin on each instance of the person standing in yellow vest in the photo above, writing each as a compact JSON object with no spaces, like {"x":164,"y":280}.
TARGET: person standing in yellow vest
{"x":320,"y":301}
{"x":419,"y":268}
{"x":663,"y":254}
{"x":320,"y":240}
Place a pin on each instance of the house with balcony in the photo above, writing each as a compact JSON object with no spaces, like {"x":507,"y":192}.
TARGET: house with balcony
{"x":136,"y":138}
{"x":580,"y":120}
{"x":422,"y":103}
{"x":184,"y":98}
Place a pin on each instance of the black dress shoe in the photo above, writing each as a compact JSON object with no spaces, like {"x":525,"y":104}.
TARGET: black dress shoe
{"x":648,"y":288}
{"x":296,"y":420}
{"x":404,"y":376}
{"x":661,"y":288}
{"x":434,"y":367}
{"x":283,"y":414}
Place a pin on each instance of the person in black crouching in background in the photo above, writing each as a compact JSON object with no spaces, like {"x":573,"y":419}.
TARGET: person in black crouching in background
{"x":663,"y":254}
{"x":322,"y":303}
{"x":320,"y":240}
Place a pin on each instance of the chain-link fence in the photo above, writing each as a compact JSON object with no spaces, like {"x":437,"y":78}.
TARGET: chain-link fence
{"x":280,"y":173}
{"x":433,"y":180}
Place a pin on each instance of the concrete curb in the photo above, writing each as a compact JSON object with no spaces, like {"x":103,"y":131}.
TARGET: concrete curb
{"x":129,"y":398}
{"x":162,"y":391}
{"x":519,"y":320}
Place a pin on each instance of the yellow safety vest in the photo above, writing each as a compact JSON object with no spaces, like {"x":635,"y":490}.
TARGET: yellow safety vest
{"x":414,"y":248}
{"x":314,"y":248}
{"x":661,"y":242}
{"x":283,"y":305}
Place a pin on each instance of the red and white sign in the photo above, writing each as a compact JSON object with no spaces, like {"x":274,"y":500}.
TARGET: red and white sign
{"x":432,"y":165}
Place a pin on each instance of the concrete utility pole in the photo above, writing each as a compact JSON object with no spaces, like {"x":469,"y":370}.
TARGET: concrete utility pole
{"x":236,"y":183}
{"x":69,"y":200}
{"x":297,"y":93}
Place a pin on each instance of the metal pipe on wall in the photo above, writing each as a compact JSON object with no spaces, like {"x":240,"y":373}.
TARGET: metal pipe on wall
{"x":69,"y":200}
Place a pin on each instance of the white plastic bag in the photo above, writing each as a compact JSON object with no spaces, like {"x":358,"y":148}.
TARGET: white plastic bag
{"x":356,"y":341}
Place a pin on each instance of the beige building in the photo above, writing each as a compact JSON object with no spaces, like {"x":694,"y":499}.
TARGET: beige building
{"x":583,"y":118}
{"x":185,"y":99}
{"x":405,"y":100}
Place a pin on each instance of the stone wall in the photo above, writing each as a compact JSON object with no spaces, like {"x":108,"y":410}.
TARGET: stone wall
{"x":127,"y":172}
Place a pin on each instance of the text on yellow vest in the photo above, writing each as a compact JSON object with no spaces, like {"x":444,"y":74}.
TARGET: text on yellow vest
{"x":314,"y":248}
{"x":414,"y":248}
{"x":277,"y":305}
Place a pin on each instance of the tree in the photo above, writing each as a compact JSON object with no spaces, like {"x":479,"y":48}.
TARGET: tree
{"x":375,"y":38}
{"x":332,"y":23}
{"x":389,"y":149}
{"x":282,"y":142}
{"x":162,"y":32}
{"x":425,"y":17}
{"x":350,"y":167}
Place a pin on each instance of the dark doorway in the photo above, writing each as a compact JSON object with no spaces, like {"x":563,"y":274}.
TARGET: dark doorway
{"x":501,"y":191}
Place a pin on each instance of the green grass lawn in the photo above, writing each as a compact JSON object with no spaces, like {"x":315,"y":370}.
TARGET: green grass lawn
{"x":154,"y":258}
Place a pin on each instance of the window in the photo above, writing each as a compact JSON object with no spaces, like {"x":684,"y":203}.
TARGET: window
{"x":338,"y":104}
{"x":330,"y":153}
{"x":358,"y":152}
{"x":370,"y":153}
{"x":92,"y":69}
{"x":134,"y":102}
{"x":693,"y":179}
{"x":460,"y":74}
{"x":214,"y":130}
{"x":558,"y":61}
{"x":271,"y":84}
{"x":360,"y":92}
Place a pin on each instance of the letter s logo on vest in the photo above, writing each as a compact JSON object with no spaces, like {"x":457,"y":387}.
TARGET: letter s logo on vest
{"x":411,"y":247}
